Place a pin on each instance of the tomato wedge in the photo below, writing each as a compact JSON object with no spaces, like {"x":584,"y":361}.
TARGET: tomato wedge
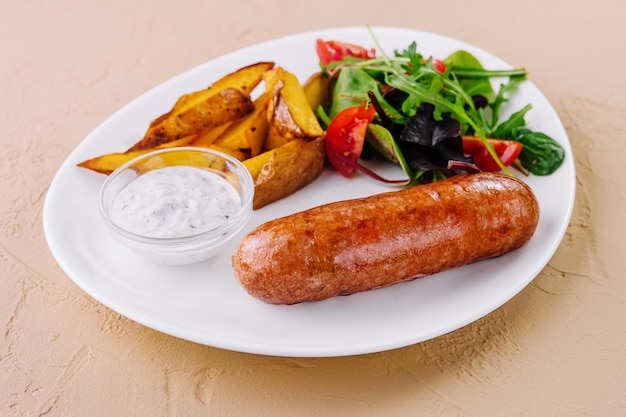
{"x":507,"y":151}
{"x":440,"y":66}
{"x":329,"y":51}
{"x":345,"y":136}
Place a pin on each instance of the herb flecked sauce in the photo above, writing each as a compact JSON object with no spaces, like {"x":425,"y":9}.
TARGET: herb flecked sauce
{"x":174,"y":202}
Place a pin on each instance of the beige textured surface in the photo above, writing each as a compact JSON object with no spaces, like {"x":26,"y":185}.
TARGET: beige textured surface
{"x":558,"y":348}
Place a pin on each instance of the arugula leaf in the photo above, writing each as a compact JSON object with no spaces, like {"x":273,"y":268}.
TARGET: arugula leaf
{"x":501,"y":98}
{"x":508,"y":128}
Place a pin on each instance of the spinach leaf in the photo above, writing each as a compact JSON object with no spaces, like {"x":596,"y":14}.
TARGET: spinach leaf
{"x":541,"y":154}
{"x":385,"y":144}
{"x":352,"y":88}
{"x":473,"y":86}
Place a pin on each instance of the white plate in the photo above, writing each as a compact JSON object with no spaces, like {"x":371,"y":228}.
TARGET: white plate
{"x":204,"y":303}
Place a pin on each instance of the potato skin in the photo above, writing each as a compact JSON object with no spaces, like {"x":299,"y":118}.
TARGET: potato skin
{"x":357,"y":245}
{"x":282,"y":171}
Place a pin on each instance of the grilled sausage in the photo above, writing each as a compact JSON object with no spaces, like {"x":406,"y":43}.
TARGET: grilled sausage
{"x":357,"y":245}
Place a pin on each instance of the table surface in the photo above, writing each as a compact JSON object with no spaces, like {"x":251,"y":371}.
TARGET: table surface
{"x":557,"y":348}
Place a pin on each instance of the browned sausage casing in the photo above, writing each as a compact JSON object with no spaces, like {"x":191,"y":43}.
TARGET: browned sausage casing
{"x":357,"y":245}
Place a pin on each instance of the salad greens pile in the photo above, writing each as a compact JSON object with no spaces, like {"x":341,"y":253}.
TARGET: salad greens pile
{"x":425,"y":107}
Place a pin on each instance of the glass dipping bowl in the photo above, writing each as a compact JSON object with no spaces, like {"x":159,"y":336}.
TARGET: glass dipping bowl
{"x":194,"y":247}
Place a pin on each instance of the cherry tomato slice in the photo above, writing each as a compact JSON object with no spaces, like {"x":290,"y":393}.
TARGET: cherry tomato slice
{"x":440,"y":66}
{"x":329,"y":51}
{"x":345,"y":136}
{"x":507,"y":151}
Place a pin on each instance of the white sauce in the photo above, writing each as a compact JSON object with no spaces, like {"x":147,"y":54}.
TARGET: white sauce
{"x":175,"y":202}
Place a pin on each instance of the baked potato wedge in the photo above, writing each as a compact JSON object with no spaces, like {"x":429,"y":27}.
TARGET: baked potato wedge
{"x":247,"y":135}
{"x":106,"y":164}
{"x":244,"y":79}
{"x":220,"y":108}
{"x":183,"y":118}
{"x":317,"y":90}
{"x":284,"y":170}
{"x":289,"y":113}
